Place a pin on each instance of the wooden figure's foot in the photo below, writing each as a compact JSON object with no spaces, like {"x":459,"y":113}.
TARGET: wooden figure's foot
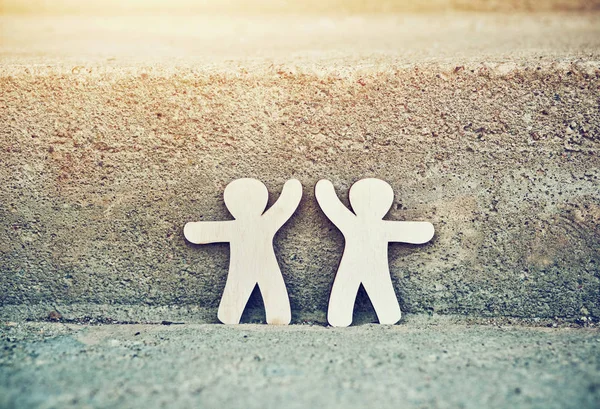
{"x":389,"y":317}
{"x":337,"y":320}
{"x":280,"y":320}
{"x":383,"y":298}
{"x":275,"y":298}
{"x":340,"y":311}
{"x":342,"y":299}
{"x":234,"y":300}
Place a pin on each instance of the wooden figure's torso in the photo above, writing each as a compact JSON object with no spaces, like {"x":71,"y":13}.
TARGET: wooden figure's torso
{"x":364,"y":251}
{"x":251,"y":251}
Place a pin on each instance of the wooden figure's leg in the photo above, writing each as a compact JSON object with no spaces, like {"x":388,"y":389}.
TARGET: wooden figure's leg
{"x":380,"y":290}
{"x":235,"y":297}
{"x":342,"y":299}
{"x":275,"y":298}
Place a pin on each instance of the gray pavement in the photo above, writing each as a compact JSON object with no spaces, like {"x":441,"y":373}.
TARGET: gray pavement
{"x":422,"y":363}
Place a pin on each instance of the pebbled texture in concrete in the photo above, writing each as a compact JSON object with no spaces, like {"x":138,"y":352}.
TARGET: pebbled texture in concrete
{"x":486,"y":126}
{"x":425,"y":363}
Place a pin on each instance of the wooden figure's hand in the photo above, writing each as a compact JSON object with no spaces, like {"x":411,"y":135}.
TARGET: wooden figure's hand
{"x":331,"y":205}
{"x":208,"y":232}
{"x":286,"y":205}
{"x":409,"y":232}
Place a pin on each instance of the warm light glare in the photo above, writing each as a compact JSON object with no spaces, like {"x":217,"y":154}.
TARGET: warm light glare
{"x":99,"y":7}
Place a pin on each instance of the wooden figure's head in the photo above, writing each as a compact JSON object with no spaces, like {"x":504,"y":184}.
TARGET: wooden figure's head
{"x":371,"y":198}
{"x":246,"y":198}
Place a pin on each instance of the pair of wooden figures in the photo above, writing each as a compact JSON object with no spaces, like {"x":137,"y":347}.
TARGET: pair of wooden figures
{"x":253,"y":262}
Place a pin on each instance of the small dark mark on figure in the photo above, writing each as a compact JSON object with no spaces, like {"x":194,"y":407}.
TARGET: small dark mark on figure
{"x":137,"y":333}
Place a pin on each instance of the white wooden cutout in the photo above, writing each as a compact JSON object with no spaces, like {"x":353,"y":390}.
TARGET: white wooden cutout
{"x":252,"y":258}
{"x":365,"y":258}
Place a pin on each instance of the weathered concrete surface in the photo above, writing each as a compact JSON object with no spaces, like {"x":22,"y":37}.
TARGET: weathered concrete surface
{"x":486,"y":126}
{"x":278,"y":6}
{"x":421,"y":364}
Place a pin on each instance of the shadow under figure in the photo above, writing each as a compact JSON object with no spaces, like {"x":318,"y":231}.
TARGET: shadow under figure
{"x":252,"y":259}
{"x":365,"y":258}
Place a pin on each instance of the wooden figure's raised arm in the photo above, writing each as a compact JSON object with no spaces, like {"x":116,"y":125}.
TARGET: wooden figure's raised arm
{"x":409,"y":232}
{"x":286,"y":205}
{"x":208,"y":232}
{"x":331,"y":205}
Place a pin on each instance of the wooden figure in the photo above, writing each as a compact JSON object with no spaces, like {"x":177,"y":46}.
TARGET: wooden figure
{"x":365,"y":258}
{"x":252,"y":259}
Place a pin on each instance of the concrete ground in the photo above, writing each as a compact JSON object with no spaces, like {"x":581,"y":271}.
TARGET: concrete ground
{"x":423,"y":363}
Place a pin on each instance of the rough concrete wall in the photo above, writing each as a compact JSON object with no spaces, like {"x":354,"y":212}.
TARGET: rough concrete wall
{"x":100,"y":172}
